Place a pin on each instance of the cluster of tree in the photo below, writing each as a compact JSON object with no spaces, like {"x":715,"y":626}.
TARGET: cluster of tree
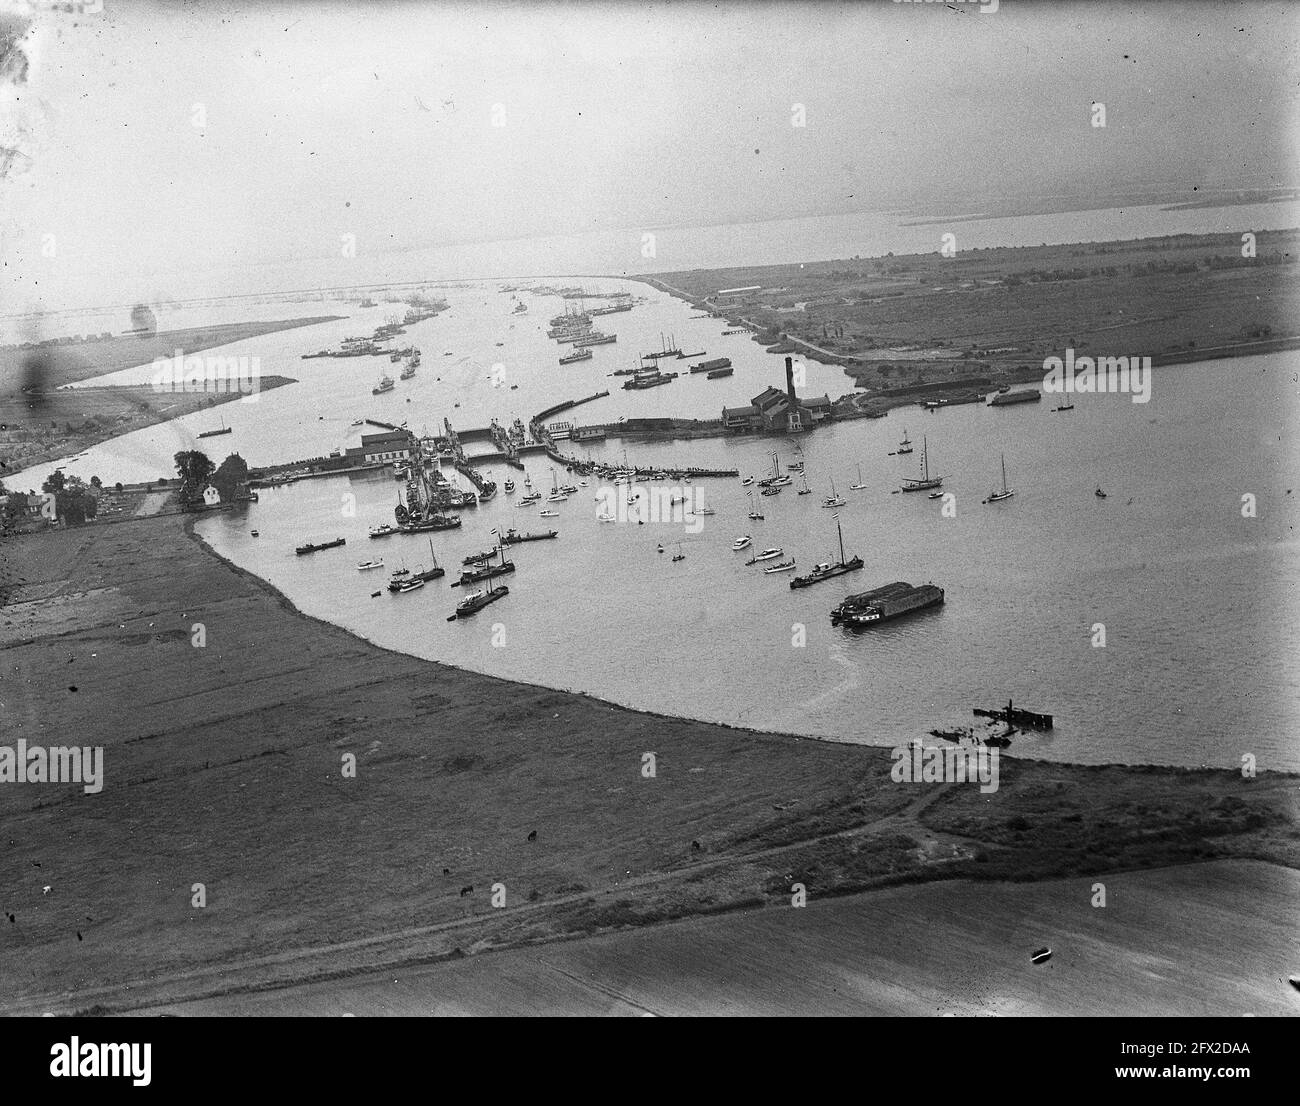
{"x":196,"y":472}
{"x":75,"y":501}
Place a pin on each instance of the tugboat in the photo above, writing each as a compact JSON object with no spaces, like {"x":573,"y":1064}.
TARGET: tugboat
{"x":828,"y":570}
{"x":382,"y":530}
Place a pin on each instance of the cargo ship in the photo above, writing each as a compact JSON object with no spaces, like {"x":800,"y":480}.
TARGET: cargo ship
{"x":309,"y":547}
{"x":828,"y":570}
{"x":882,"y":604}
{"x":1003,"y":399}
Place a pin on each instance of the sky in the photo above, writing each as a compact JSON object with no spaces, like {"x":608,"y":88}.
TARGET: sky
{"x":146,"y":139}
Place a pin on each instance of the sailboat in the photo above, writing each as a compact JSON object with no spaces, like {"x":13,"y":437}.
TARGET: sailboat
{"x":1005,"y":493}
{"x":905,"y":446}
{"x":926,"y":481}
{"x":216,"y":433}
{"x":679,"y":555}
{"x":828,"y":570}
{"x":833,"y":500}
{"x":754,"y":512}
{"x":805,"y":490}
{"x":859,"y":486}
{"x":556,"y":495}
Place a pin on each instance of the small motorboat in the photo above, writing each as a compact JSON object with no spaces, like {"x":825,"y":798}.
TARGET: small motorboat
{"x":549,"y":514}
{"x":935,"y":495}
{"x":366,"y":566}
{"x":704,"y":511}
{"x":409,"y":585}
{"x":1099,"y":494}
{"x":784,"y":566}
{"x":1042,"y":955}
{"x":747,"y":481}
{"x":605,"y":516}
{"x":768,"y":554}
{"x":741,"y":543}
{"x":509,"y":486}
{"x":659,"y":549}
{"x":254,"y":533}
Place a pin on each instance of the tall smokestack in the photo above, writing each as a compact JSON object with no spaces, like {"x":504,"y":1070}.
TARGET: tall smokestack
{"x":789,"y":380}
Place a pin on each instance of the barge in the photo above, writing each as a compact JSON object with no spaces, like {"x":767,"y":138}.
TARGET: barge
{"x":883,"y":604}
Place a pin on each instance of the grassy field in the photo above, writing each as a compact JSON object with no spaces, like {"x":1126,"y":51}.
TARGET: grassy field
{"x":922,"y":318}
{"x":223,"y":766}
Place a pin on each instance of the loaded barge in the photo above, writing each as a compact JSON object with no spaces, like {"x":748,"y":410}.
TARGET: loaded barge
{"x":314,"y":548}
{"x":882,"y":604}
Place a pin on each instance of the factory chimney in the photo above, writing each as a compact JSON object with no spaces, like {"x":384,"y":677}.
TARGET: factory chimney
{"x":789,"y":381}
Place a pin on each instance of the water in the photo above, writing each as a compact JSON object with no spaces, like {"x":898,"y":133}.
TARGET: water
{"x":1198,"y":602}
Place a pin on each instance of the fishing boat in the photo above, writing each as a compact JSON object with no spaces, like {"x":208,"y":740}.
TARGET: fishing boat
{"x":386,"y":384}
{"x":366,"y":566}
{"x":1005,"y":493}
{"x":741,"y":543}
{"x":926,"y":481}
{"x":477,"y":601}
{"x":859,"y":486}
{"x":834,"y":499}
{"x":768,"y":554}
{"x":784,"y":566}
{"x":828,"y":570}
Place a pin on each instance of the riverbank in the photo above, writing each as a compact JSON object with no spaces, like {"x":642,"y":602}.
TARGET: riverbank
{"x":68,"y":421}
{"x":225,"y":758}
{"x":1001,"y":311}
